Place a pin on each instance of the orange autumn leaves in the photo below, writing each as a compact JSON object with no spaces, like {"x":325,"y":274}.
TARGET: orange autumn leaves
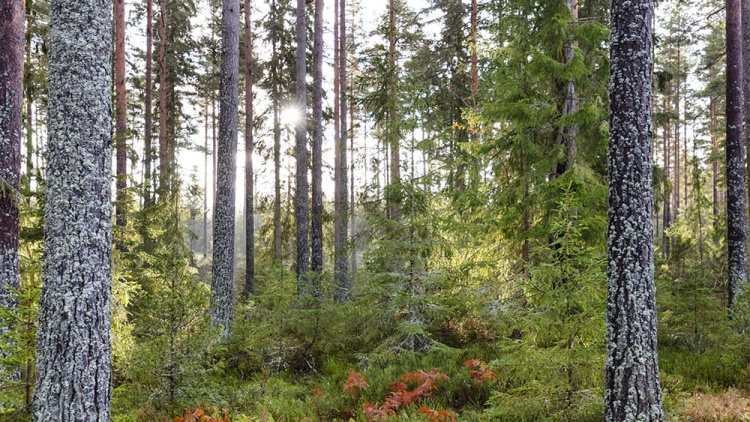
{"x":401,"y":395}
{"x":200,"y":415}
{"x":483,"y":374}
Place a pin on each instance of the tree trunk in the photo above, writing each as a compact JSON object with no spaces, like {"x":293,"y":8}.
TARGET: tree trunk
{"x":632,"y":391}
{"x":735,"y":166}
{"x":223,"y":263}
{"x":73,"y":339}
{"x":667,"y":215}
{"x":205,"y":183}
{"x":393,"y":131}
{"x":301,"y":210}
{"x":317,"y":145}
{"x":677,"y":162}
{"x":341,"y":255}
{"x":276,"y":146}
{"x":11,"y":131}
{"x":249,"y":173}
{"x":164,"y":164}
{"x":121,"y":115}
{"x":336,"y":127}
{"x":746,"y":82}
{"x":352,"y":228}
{"x":474,"y":61}
{"x":147,"y":148}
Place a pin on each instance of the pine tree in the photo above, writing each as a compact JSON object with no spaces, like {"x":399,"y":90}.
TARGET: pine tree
{"x":73,"y":342}
{"x":223,"y":262}
{"x":736,"y":237}
{"x":249,"y":147}
{"x":121,"y":114}
{"x":12,"y":17}
{"x":148,"y":135}
{"x":316,"y":223}
{"x":164,"y":144}
{"x":632,"y":390}
{"x":341,"y":219}
{"x":301,"y":210}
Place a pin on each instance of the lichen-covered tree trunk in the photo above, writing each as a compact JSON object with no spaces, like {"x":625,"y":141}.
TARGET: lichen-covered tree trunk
{"x":223,"y":262}
{"x":164,"y":164}
{"x":677,"y":163}
{"x":336,"y":127}
{"x":632,"y":391}
{"x":746,"y":82}
{"x":341,"y":254}
{"x":148,"y":131}
{"x":316,"y":224}
{"x":121,"y":113}
{"x":11,"y":125}
{"x":249,"y":174}
{"x":736,"y":237}
{"x":73,"y":340}
{"x":301,"y":210}
{"x":392,"y":130}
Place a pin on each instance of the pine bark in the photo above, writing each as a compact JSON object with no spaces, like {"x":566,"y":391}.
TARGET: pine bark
{"x":301,"y":209}
{"x":12,"y":17}
{"x":632,"y":391}
{"x":736,"y":238}
{"x":677,"y":162}
{"x":249,"y":146}
{"x":474,"y":59}
{"x":336,"y":127}
{"x":164,"y":164}
{"x":394,"y":210}
{"x":316,"y":225}
{"x":148,"y":131}
{"x":226,"y":166}
{"x":341,"y":254}
{"x":73,"y":339}
{"x":746,"y":82}
{"x":352,"y":228}
{"x":121,"y":113}
{"x":275,"y":97}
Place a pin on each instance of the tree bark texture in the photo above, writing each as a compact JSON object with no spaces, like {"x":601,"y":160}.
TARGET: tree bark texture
{"x":736,"y":237}
{"x":301,"y":210}
{"x":632,"y":390}
{"x":223,"y":261}
{"x":249,"y":173}
{"x":336,"y":126}
{"x":341,"y":254}
{"x":164,"y":164}
{"x":73,"y":339}
{"x":121,"y":113}
{"x":12,"y":17}
{"x":316,"y":225}
{"x":393,"y":131}
{"x":746,"y":83}
{"x":147,"y":135}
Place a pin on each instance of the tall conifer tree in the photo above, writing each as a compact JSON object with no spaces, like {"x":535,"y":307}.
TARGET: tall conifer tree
{"x":632,"y":390}
{"x":223,"y":262}
{"x":73,"y":341}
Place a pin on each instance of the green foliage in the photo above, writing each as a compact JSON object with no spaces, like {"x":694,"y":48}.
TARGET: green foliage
{"x":168,"y":357}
